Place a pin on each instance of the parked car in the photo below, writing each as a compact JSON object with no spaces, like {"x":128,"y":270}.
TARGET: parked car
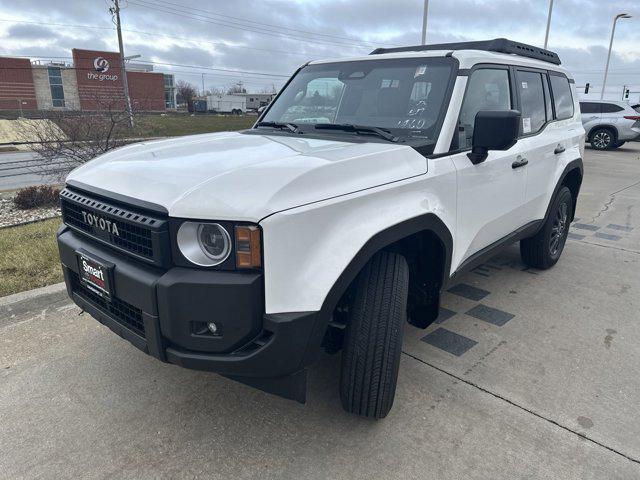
{"x":609,"y":124}
{"x":253,"y":253}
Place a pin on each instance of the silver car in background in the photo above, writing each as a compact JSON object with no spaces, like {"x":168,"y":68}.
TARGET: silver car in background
{"x":609,"y":124}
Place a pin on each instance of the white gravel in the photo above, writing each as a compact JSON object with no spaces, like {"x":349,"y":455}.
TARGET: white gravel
{"x":10,"y":215}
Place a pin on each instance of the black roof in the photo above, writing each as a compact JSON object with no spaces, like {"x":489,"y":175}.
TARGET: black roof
{"x":501,"y":45}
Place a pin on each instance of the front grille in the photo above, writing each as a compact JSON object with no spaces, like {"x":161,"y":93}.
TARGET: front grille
{"x":124,"y":313}
{"x":142,"y":235}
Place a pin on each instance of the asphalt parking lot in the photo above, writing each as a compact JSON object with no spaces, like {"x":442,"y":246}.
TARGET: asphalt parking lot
{"x":526,"y":375}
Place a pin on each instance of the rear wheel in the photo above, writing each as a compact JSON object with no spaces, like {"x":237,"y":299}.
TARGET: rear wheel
{"x":373,"y":342}
{"x":602,"y":139}
{"x":544,"y":249}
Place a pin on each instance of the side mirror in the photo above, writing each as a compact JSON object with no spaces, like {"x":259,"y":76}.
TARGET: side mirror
{"x":493,"y":130}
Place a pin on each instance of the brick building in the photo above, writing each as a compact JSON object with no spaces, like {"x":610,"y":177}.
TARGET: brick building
{"x":17,"y":90}
{"x":92,"y":82}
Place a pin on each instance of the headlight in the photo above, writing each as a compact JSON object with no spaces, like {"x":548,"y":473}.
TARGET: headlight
{"x":205,"y":244}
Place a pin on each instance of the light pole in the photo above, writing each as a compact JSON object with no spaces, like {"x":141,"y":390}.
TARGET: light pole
{"x":546,"y":35}
{"x":425,"y":14}
{"x":613,"y":31}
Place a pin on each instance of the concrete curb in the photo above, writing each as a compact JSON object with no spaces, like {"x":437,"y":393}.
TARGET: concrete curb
{"x":22,"y":303}
{"x":54,"y":289}
{"x":29,"y":222}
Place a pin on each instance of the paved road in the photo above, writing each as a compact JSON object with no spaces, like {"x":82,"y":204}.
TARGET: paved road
{"x":543,"y":383}
{"x":21,"y":169}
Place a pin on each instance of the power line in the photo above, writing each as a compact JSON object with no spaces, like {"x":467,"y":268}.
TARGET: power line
{"x":94,"y":27}
{"x":620,"y":71}
{"x":216,"y":69}
{"x":268,"y":30}
{"x":228,"y":24}
{"x":209,"y":12}
{"x":155,"y":34}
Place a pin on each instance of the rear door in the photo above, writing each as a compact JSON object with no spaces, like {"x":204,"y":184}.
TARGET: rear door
{"x":537,"y":141}
{"x":547,"y":107}
{"x":591,"y":113}
{"x":491,"y":193}
{"x":613,"y":114}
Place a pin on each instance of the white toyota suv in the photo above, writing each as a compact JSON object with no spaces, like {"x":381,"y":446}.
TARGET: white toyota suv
{"x":365,"y":188}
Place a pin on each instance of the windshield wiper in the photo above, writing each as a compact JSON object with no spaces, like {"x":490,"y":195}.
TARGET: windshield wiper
{"x":292,"y":127}
{"x":347,"y":127}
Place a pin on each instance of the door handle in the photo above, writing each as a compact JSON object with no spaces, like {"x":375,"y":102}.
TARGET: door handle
{"x":520,"y":162}
{"x":559,"y":149}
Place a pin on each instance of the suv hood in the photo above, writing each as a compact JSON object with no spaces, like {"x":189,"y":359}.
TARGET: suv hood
{"x":245,"y":177}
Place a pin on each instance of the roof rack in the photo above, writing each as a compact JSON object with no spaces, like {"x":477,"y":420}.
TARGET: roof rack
{"x":501,"y":45}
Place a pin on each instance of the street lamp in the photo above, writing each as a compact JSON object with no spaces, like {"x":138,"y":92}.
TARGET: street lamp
{"x":425,"y":13}
{"x":613,"y":31}
{"x":546,"y":35}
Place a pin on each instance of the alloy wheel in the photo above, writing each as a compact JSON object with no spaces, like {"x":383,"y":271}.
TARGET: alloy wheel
{"x":601,"y":140}
{"x":558,"y":230}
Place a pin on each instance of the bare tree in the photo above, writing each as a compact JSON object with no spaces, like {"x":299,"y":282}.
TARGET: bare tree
{"x":236,"y":88}
{"x":214,"y":91}
{"x":64,"y":140}
{"x":269,"y":90}
{"x":185,"y":91}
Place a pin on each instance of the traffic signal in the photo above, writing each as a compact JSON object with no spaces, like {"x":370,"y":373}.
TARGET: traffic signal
{"x":626,"y":94}
{"x":586,"y":88}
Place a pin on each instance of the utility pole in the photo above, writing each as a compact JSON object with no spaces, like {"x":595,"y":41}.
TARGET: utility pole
{"x":115,"y":10}
{"x":203,"y":92}
{"x":425,"y":14}
{"x":546,"y":35}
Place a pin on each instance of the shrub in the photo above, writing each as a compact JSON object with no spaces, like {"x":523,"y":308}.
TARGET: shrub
{"x":34,"y":197}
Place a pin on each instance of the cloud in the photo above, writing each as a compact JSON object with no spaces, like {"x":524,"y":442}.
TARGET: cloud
{"x":31,"y":32}
{"x":276,"y":36}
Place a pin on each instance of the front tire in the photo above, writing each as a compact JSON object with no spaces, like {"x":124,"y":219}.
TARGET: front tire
{"x":543,"y":250}
{"x":602,"y":139}
{"x":373,"y":340}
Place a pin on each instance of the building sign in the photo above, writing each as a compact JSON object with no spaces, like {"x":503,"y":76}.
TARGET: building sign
{"x":99,"y":77}
{"x":101,"y":66}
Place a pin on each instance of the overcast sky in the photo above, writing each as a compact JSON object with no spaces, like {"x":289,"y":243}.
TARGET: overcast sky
{"x":275,"y":36}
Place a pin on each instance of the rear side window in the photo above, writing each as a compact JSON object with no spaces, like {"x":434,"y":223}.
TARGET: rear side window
{"x":534,"y":116}
{"x":611,"y":108}
{"x":590,"y":107}
{"x":562,"y":98}
{"x":487,"y":89}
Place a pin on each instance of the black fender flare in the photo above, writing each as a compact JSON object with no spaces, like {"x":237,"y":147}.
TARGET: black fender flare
{"x":573,"y":165}
{"x":427,"y":222}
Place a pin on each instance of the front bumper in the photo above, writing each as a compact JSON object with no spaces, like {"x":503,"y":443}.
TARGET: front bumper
{"x":161,"y":312}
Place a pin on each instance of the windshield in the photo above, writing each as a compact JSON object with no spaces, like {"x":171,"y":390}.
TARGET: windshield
{"x":405,"y":96}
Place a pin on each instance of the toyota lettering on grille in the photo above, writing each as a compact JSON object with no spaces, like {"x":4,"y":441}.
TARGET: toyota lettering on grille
{"x":102,"y":223}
